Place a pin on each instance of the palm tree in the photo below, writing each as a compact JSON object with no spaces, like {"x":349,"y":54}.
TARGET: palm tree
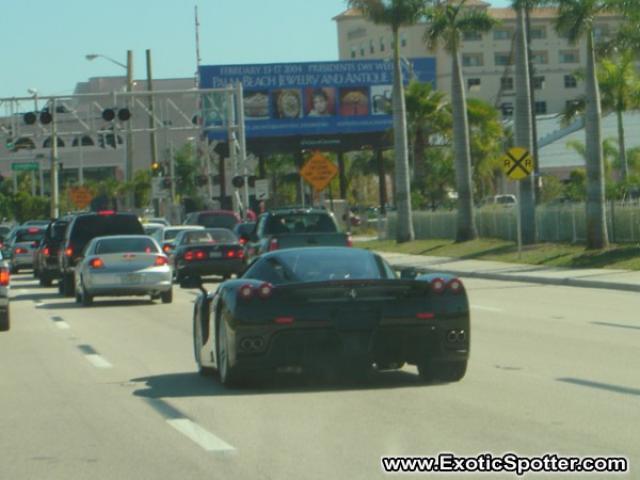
{"x":524,"y":120}
{"x":575,"y":19}
{"x":396,"y":14}
{"x":446,"y":24}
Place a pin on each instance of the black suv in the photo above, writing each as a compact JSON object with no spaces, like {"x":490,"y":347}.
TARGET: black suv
{"x":45,"y":263}
{"x":84,"y":228}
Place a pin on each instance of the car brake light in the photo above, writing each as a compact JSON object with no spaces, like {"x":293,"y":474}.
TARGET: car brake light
{"x":188,"y":256}
{"x":283,"y":320}
{"x":438,"y":285}
{"x":245,"y":292}
{"x":20,"y":251}
{"x":5,"y":277}
{"x":166,"y":248}
{"x":33,"y":230}
{"x":349,"y":241}
{"x":161,"y":261}
{"x":200,"y":255}
{"x":46,"y":252}
{"x":96,"y":263}
{"x":69,"y":252}
{"x":425,"y":315}
{"x":273,"y":244}
{"x":265,"y":290}
{"x":106,"y":212}
{"x":455,"y":286}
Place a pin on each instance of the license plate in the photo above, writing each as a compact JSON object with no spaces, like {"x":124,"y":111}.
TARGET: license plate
{"x":130,"y":278}
{"x":215,"y":254}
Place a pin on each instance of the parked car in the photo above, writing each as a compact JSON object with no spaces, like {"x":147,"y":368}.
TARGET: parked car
{"x":123,"y":265}
{"x":45,"y":263}
{"x":294,"y":227}
{"x":213,"y":219}
{"x":5,"y":280}
{"x":212,"y":251}
{"x":22,"y":244}
{"x":84,"y":228}
{"x":36,"y":223}
{"x":334,"y":308}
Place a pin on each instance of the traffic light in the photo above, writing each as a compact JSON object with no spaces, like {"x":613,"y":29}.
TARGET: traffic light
{"x":45,"y":117}
{"x":109,"y":114}
{"x":156,"y":168}
{"x":237,"y":181}
{"x":29,"y":118}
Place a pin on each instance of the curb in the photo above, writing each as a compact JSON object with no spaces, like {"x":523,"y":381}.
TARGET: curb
{"x":566,"y":281}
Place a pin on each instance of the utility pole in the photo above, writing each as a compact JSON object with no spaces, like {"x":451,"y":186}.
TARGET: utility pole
{"x":152,"y":133}
{"x":54,"y":161}
{"x":243,"y":147}
{"x":129,"y":166}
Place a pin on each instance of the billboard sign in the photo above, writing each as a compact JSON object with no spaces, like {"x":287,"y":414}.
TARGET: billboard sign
{"x":318,"y":98}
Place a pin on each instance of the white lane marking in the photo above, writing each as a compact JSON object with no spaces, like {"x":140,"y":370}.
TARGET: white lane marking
{"x":97,"y":361}
{"x":22,"y":291}
{"x":62,"y":325}
{"x":207,"y":440}
{"x":488,"y":309}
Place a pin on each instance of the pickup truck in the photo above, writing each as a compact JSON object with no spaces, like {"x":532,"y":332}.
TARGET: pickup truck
{"x":293,"y":227}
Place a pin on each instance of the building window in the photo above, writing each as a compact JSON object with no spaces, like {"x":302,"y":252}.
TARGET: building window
{"x":403,"y":40}
{"x":472,"y":36}
{"x":507,"y":109}
{"x":569,"y":56}
{"x":372,"y":48}
{"x":382,"y":44}
{"x":540,"y":58}
{"x":570,"y":81}
{"x":473,"y":82}
{"x":538,"y":33}
{"x":472,"y":60}
{"x":502,"y":59}
{"x":353,"y":52}
{"x":506,"y":83}
{"x":541,"y":108}
{"x":502,"y":34}
{"x":538,"y":83}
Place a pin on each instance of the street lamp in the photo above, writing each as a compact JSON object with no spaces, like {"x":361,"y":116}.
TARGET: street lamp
{"x":129,"y":68}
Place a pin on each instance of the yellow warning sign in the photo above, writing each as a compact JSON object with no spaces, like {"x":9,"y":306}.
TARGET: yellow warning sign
{"x":319,"y":171}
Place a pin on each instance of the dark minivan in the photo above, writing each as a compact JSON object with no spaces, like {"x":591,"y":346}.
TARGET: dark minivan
{"x":213,"y":219}
{"x":84,"y":228}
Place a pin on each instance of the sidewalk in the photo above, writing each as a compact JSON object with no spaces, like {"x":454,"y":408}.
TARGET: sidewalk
{"x":627,"y":280}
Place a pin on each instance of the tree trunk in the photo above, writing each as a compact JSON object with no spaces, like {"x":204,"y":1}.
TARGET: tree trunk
{"x":624,"y":168}
{"x":597,"y":236}
{"x":532,"y":92}
{"x":466,"y":226}
{"x":523,"y":131}
{"x":404,"y":232}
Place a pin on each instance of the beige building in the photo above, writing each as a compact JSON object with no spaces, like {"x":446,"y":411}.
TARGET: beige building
{"x":486,"y":58}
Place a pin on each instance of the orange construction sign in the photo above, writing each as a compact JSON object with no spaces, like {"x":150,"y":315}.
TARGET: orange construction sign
{"x":80,"y":196}
{"x":319,"y":171}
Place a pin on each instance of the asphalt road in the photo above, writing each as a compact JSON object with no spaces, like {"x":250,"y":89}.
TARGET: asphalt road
{"x":111,"y":392}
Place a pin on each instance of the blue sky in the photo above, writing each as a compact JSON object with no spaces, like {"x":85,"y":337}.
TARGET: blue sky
{"x":43,"y":43}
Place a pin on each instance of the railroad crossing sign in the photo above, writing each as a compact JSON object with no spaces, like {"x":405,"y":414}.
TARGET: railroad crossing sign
{"x":517,"y":163}
{"x":319,"y":171}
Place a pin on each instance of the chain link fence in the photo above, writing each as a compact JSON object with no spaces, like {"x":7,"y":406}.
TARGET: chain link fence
{"x":557,"y":224}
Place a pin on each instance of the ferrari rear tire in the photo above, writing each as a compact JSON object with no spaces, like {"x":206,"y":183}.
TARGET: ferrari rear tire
{"x":167,"y":297}
{"x":229,"y":376}
{"x":5,"y":322}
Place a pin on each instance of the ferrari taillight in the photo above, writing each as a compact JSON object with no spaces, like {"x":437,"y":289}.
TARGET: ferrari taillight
{"x":455,"y":286}
{"x":96,"y":263}
{"x":438,"y":285}
{"x":161,"y":261}
{"x":265,"y":290}
{"x":5,"y":277}
{"x":245,"y":292}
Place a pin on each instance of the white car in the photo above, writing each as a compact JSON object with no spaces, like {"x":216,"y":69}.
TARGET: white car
{"x":123,"y":265}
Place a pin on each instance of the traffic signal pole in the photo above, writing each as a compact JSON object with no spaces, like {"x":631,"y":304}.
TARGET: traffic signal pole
{"x":54,"y":161}
{"x":129,"y":162}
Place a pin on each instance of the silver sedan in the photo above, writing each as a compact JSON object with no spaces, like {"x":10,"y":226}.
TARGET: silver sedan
{"x":123,"y":265}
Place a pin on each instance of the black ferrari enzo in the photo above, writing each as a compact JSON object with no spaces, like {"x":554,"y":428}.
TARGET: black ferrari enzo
{"x":308,"y":308}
